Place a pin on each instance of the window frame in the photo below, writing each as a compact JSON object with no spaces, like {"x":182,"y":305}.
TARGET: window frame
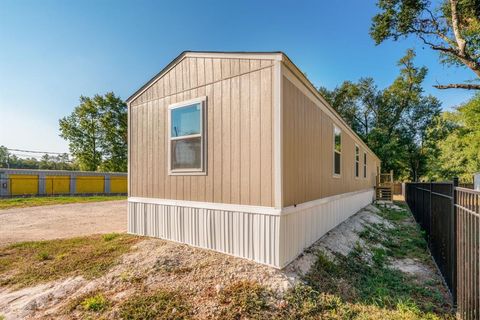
{"x":202,"y":135}
{"x":365,"y":161}
{"x":357,"y":162}
{"x":337,"y":175}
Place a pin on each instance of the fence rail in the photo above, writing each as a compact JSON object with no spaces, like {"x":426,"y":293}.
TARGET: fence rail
{"x":468,"y":218}
{"x":450,"y":216}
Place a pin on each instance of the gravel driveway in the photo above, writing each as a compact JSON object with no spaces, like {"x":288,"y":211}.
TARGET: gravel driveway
{"x":62,"y":221}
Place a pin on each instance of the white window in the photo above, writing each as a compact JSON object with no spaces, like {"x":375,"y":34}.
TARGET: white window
{"x":337,"y":151}
{"x":187,"y":137}
{"x":364,"y":164}
{"x":357,"y":161}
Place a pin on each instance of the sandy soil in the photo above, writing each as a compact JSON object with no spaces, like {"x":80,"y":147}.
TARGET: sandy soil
{"x":62,"y":221}
{"x":200,"y":274}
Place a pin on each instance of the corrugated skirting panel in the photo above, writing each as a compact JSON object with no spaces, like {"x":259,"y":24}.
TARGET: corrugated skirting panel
{"x":302,"y":227}
{"x":248,"y":235}
{"x":266,"y":238}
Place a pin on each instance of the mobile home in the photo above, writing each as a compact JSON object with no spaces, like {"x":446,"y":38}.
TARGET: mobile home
{"x":239,"y":153}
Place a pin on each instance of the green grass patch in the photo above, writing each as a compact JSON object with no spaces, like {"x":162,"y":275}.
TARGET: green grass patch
{"x":363,"y":284}
{"x":45,"y":201}
{"x":95,"y":303}
{"x":28,"y":263}
{"x":157,"y":305}
{"x":244,"y":300}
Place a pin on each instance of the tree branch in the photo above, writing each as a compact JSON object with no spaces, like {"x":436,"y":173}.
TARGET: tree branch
{"x":456,"y":31}
{"x":458,"y":86}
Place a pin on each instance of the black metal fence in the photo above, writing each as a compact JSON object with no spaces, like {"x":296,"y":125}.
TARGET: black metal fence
{"x":433,"y":206}
{"x":450,"y":216}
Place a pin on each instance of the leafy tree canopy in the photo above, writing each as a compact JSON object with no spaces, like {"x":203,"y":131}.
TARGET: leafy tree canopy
{"x":97,"y":133}
{"x":450,"y":27}
{"x":457,"y":137}
{"x":393,"y":121}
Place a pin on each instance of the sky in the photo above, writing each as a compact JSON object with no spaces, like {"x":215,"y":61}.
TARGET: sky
{"x":52,"y":52}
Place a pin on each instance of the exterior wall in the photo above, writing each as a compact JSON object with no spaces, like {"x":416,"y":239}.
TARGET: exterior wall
{"x":266,"y":235}
{"x":32,"y":182}
{"x":307,"y":148}
{"x":239,"y":135}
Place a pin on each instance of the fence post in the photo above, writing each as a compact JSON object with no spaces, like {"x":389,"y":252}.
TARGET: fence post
{"x":454,"y":240}
{"x":430,"y":215}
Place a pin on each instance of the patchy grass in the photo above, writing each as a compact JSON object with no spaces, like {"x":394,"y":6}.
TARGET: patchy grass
{"x":365,"y":279}
{"x":362,"y":285}
{"x":95,"y":303}
{"x":29,"y":263}
{"x":157,"y":305}
{"x":244,"y":300}
{"x":45,"y":201}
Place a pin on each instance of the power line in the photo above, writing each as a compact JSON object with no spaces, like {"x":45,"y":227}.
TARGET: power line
{"x":32,"y":151}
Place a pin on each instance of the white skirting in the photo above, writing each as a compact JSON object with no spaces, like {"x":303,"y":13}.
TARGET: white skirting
{"x":266,"y":235}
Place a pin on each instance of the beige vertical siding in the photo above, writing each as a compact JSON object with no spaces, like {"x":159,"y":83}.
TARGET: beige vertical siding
{"x":239,"y":126}
{"x":307,"y":150}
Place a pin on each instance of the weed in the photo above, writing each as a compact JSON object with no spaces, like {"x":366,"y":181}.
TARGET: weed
{"x":158,"y":305}
{"x":110,"y":236}
{"x":358,"y":281}
{"x":42,"y":256}
{"x":95,"y":303}
{"x":244,"y":299}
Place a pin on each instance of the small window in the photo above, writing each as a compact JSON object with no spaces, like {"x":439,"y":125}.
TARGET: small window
{"x":337,"y":151}
{"x":357,"y":161}
{"x":364,"y":164}
{"x":186,"y":137}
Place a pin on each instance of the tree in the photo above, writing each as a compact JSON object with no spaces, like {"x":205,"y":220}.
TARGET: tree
{"x":97,"y":133}
{"x":4,"y":163}
{"x":457,"y":135}
{"x":393,"y":121}
{"x":452,"y":28}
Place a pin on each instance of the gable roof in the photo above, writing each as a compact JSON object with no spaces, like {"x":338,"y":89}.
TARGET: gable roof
{"x":275,"y":55}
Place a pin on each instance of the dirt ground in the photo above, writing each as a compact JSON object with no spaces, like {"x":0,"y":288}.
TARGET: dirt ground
{"x":62,"y":221}
{"x":199,"y":273}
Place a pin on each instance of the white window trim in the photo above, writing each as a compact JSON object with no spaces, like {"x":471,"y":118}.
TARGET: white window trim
{"x":357,"y":161}
{"x":365,"y":165}
{"x":203,"y":135}
{"x":337,"y":175}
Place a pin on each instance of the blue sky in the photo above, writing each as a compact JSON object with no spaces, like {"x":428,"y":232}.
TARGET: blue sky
{"x":51,"y":52}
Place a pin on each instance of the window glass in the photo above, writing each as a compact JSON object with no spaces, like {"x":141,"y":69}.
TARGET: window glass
{"x":186,"y":153}
{"x":186,"y":120}
{"x":364,"y":165}
{"x":357,"y":160}
{"x":338,"y":140}
{"x":337,"y":163}
{"x":186,"y":137}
